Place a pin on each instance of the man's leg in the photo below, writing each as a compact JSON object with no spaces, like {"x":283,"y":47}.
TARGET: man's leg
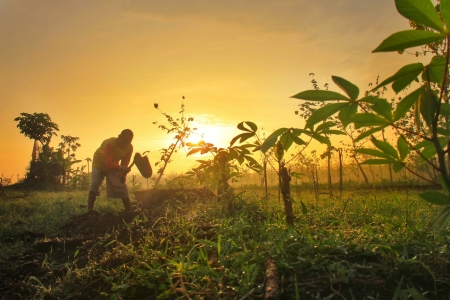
{"x":97,"y":177}
{"x":91,"y":200}
{"x":126,"y":204}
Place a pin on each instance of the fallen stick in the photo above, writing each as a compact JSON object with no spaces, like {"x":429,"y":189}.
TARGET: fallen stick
{"x":271,"y":280}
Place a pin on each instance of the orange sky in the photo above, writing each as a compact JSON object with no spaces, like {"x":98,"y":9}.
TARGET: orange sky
{"x":97,"y":67}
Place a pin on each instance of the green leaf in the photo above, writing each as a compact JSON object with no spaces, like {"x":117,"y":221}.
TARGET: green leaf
{"x":402,"y":40}
{"x":378,"y":162}
{"x":318,"y":136}
{"x":403,"y":82}
{"x":428,"y":105}
{"x":396,"y":166}
{"x":242,"y":127}
{"x":286,"y":140}
{"x":402,"y":147}
{"x":427,"y":153}
{"x":291,"y":136}
{"x":369,"y":99}
{"x":369,"y":132}
{"x":349,"y":88}
{"x":368,"y":119}
{"x":435,"y":71}
{"x":304,"y":209}
{"x":383,"y":108}
{"x":373,"y":152}
{"x":442,"y":219}
{"x":425,"y":143}
{"x":445,"y":109}
{"x":445,"y":12}
{"x":243,"y":137}
{"x":319,"y":95}
{"x":406,"y":103}
{"x":252,"y":125}
{"x":324,"y":126}
{"x":443,"y":131}
{"x":346,"y":112}
{"x":333,"y":132}
{"x":297,"y":140}
{"x":321,"y":139}
{"x":323,"y":113}
{"x":272,"y":139}
{"x":420,"y":11}
{"x":193,"y":151}
{"x":435,"y":198}
{"x":408,"y":70}
{"x":385,"y":147}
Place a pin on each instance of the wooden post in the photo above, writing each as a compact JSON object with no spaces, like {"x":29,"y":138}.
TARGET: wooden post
{"x":286,"y":192}
{"x":271,"y":281}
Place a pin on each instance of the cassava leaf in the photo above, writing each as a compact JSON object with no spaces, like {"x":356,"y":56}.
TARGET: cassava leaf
{"x":324,"y":125}
{"x":385,"y":147}
{"x":435,"y":71}
{"x":402,"y":147}
{"x":252,"y":125}
{"x":373,"y":152}
{"x":382,"y":108}
{"x":396,"y":166}
{"x":346,"y":112}
{"x":435,"y":197}
{"x":368,"y":119}
{"x":349,"y":88}
{"x":403,"y":82}
{"x":406,"y":103}
{"x":272,"y":139}
{"x":445,"y":109}
{"x":319,"y":95}
{"x":428,"y":105}
{"x":420,"y":11}
{"x":378,"y":162}
{"x":369,"y":132}
{"x":402,"y":40}
{"x":408,"y":70}
{"x":193,"y":151}
{"x":445,"y":12}
{"x":323,"y":113}
{"x":242,"y":137}
{"x":242,"y":127}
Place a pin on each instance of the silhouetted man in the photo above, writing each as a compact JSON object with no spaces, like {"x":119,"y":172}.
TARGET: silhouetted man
{"x":111,"y":161}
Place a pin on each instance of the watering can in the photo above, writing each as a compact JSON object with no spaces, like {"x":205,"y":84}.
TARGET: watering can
{"x":143,"y":164}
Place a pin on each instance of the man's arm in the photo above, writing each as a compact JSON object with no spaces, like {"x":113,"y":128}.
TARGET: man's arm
{"x":109,"y":159}
{"x":126,"y":160}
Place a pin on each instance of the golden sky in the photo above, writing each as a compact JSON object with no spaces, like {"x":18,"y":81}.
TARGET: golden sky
{"x":97,"y":67}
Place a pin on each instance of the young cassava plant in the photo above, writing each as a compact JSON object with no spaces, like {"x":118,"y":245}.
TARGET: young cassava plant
{"x":426,"y":101}
{"x":225,"y":163}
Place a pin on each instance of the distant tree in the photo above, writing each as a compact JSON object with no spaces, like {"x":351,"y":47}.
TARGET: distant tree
{"x":66,"y":155}
{"x":38,"y":127}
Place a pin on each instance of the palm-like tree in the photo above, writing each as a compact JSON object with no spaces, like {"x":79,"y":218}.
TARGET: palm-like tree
{"x":37,"y":126}
{"x":40,"y":128}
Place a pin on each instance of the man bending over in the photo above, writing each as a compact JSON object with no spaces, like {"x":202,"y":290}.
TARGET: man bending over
{"x":106,"y":164}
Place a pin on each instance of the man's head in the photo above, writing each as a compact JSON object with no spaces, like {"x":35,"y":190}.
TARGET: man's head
{"x":125,"y":137}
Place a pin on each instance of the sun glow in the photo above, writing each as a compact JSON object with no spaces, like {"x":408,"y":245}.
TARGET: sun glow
{"x":217,"y":135}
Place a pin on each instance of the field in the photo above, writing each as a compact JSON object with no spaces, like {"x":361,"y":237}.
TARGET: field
{"x":365,"y":244}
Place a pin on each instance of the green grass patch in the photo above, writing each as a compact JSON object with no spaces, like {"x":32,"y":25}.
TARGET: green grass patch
{"x":361,"y":246}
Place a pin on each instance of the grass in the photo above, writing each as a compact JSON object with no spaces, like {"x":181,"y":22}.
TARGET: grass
{"x":361,"y":246}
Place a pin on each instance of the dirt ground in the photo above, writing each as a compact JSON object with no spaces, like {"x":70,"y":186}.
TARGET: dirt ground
{"x":80,"y":240}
